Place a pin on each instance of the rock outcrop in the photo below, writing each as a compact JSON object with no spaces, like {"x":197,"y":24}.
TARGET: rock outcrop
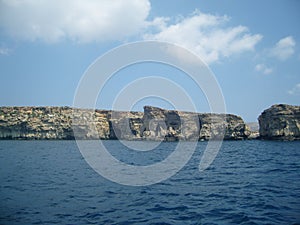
{"x":280,"y":122}
{"x":154,"y":124}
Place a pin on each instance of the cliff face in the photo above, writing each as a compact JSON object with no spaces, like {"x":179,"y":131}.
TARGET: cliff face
{"x":280,"y":122}
{"x":153,"y":124}
{"x":35,"y":123}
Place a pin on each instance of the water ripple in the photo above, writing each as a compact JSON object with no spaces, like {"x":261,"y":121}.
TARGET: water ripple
{"x":250,"y":182}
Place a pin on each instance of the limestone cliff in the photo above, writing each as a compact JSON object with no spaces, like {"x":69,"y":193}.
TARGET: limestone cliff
{"x":153,"y":124}
{"x":280,"y":122}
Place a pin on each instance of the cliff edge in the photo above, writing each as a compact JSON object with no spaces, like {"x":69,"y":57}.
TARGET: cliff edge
{"x":280,"y":122}
{"x":154,"y":123}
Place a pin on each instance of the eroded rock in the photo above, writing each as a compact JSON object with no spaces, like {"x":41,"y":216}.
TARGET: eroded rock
{"x":154,"y":124}
{"x":280,"y":122}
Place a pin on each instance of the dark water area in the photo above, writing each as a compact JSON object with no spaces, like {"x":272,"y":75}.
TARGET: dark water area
{"x":249,"y":182}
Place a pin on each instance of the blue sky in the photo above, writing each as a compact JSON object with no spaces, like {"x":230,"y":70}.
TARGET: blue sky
{"x":252,"y":47}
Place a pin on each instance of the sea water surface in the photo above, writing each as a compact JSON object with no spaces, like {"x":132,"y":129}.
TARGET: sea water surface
{"x":249,"y":182}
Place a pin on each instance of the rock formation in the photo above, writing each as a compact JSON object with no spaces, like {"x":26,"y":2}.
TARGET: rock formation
{"x":254,"y":130}
{"x":154,"y":124}
{"x":280,"y":122}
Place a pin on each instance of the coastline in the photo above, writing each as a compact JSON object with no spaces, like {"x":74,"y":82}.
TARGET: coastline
{"x":279,"y":122}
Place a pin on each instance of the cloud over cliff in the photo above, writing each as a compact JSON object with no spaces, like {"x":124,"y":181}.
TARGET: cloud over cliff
{"x":208,"y":35}
{"x":82,"y":21}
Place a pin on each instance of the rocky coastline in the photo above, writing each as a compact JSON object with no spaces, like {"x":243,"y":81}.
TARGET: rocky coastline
{"x":62,"y":123}
{"x":279,"y":122}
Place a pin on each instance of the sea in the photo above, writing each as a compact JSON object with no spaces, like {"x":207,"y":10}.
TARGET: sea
{"x":249,"y":182}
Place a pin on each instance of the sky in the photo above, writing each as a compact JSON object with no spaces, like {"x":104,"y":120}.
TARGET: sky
{"x":251,"y":47}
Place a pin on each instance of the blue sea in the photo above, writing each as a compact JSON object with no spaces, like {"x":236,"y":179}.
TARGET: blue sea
{"x":249,"y":182}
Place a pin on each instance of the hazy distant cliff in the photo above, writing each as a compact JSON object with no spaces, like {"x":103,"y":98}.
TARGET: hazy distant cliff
{"x":280,"y":122}
{"x":153,"y":124}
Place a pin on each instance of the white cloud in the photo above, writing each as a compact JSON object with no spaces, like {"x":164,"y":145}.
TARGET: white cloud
{"x":295,"y":90}
{"x":5,"y":51}
{"x":263,"y":69}
{"x":284,"y":48}
{"x":81,"y":21}
{"x":207,"y":36}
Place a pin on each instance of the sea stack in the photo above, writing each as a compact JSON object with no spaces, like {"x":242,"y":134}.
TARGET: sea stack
{"x":280,"y":122}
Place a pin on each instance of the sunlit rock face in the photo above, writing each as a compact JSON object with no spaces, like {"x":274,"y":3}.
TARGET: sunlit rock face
{"x":35,"y":123}
{"x":280,"y":122}
{"x":154,"y":124}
